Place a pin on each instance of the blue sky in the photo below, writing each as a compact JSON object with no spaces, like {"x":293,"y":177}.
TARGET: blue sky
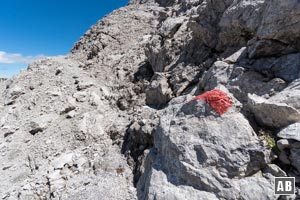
{"x":30,"y":29}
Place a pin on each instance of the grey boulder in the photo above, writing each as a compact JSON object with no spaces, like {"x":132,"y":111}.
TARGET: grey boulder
{"x":218,"y":156}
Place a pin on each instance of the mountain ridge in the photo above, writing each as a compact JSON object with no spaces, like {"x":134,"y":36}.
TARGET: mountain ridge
{"x":111,"y":120}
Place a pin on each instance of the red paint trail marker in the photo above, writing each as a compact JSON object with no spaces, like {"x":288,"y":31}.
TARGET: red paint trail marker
{"x":219,"y":101}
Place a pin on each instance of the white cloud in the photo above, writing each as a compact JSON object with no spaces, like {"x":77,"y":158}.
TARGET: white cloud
{"x":10,"y":58}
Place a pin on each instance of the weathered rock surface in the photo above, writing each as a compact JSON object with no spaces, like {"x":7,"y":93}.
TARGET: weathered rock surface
{"x":291,"y":132}
{"x":240,"y":81}
{"x":290,"y":145}
{"x":48,"y":151}
{"x":158,"y":92}
{"x":273,"y":114}
{"x":49,"y":156}
{"x":195,"y":148}
{"x":113,"y":114}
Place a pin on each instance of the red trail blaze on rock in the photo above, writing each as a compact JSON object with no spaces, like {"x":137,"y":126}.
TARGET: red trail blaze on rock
{"x":219,"y":101}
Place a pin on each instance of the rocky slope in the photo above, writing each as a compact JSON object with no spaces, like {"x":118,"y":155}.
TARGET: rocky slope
{"x":111,"y":119}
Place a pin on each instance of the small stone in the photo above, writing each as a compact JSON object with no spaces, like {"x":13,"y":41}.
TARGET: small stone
{"x":63,"y":159}
{"x":48,"y":141}
{"x":84,"y":85}
{"x":283,"y":144}
{"x":54,"y":93}
{"x":8,"y":130}
{"x":67,"y":110}
{"x":122,"y":104}
{"x":8,"y":134}
{"x":274,"y":170}
{"x":5,"y":196}
{"x":95,"y":100}
{"x":57,"y":72}
{"x":35,"y":128}
{"x":71,"y":101}
{"x":236,"y":56}
{"x":71,"y":114}
{"x":80,"y":96}
{"x":290,"y":132}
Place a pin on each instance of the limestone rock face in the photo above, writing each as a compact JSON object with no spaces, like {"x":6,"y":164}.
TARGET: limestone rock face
{"x":113,"y":118}
{"x":56,"y":116}
{"x":195,"y":148}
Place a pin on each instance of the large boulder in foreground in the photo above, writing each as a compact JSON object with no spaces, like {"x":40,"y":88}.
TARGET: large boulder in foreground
{"x":206,"y":155}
